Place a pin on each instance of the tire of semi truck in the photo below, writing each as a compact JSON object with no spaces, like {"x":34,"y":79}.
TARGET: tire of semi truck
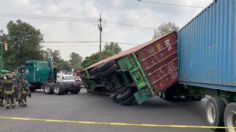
{"x":47,"y":88}
{"x":59,"y":89}
{"x":32,"y":88}
{"x":215,"y":111}
{"x":124,"y":94}
{"x":105,"y":66}
{"x":129,"y":101}
{"x":97,"y":71}
{"x":109,"y":71}
{"x":114,"y":95}
{"x":230,"y":117}
{"x":75,"y":89}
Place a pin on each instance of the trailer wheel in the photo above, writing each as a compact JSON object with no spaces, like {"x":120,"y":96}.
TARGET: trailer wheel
{"x":58,"y":89}
{"x":215,"y":111}
{"x":75,"y":90}
{"x":124,"y":94}
{"x":106,"y":65}
{"x":230,"y":117}
{"x":32,"y":89}
{"x":109,"y":71}
{"x":129,"y":101}
{"x":47,"y":88}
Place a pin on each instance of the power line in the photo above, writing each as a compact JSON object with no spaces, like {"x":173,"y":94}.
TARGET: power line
{"x":60,"y":18}
{"x":84,"y":42}
{"x":131,"y":25}
{"x":169,"y":4}
{"x":41,"y":17}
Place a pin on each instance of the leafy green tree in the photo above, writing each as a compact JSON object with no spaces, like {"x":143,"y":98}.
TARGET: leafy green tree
{"x":23,"y":44}
{"x":109,"y":50}
{"x":164,"y":29}
{"x":75,"y":61}
{"x":113,"y":47}
{"x":63,"y":65}
{"x":57,"y":59}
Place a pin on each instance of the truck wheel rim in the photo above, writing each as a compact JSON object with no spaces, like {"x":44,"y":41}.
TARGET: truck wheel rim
{"x":47,"y":89}
{"x":231,"y":121}
{"x":56,"y":90}
{"x":211,"y":113}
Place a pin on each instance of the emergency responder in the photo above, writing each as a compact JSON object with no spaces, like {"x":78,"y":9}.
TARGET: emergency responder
{"x":8,"y":90}
{"x":24,"y":91}
{"x":16,"y":82}
{"x":1,"y":92}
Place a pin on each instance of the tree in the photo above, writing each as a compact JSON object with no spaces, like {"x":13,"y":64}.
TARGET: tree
{"x":75,"y":61}
{"x":23,"y":44}
{"x":109,"y":50}
{"x":164,"y":29}
{"x":57,"y":59}
{"x":63,"y":65}
{"x":113,"y":47}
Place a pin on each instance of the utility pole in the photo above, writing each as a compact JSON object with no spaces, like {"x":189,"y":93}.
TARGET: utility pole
{"x":100,"y":31}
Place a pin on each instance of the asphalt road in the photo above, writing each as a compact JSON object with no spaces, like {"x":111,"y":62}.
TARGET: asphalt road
{"x":94,"y":108}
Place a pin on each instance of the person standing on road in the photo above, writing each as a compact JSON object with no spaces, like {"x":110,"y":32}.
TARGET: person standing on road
{"x":1,"y":92}
{"x":24,"y":91}
{"x":16,"y":82}
{"x":8,"y":88}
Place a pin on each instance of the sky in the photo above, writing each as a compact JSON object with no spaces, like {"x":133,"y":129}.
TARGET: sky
{"x":116,"y":14}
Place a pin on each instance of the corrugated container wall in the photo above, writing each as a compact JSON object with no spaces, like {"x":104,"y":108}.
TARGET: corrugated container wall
{"x":159,"y":61}
{"x":207,"y":48}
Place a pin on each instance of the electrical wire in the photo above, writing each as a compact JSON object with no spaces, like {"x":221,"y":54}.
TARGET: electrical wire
{"x":169,"y":4}
{"x":41,"y":17}
{"x":83,"y":42}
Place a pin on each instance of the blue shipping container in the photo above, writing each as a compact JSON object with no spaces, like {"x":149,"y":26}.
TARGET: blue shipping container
{"x":207,"y":48}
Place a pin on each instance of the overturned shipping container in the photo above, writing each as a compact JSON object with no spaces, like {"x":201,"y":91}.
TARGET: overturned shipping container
{"x":138,"y":73}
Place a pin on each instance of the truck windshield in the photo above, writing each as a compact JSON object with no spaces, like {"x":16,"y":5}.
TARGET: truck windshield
{"x":69,"y":78}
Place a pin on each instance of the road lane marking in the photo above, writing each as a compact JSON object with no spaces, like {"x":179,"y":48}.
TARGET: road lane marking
{"x":111,"y":123}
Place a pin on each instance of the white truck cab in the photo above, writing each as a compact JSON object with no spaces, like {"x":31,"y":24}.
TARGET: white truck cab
{"x":65,"y":78}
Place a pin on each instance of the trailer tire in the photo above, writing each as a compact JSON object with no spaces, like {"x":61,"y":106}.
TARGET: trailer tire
{"x":124,"y":94}
{"x":167,"y":95}
{"x":129,"y":101}
{"x":32,"y":89}
{"x":105,"y":66}
{"x":102,"y":67}
{"x":75,"y":90}
{"x":109,"y":71}
{"x":59,"y":89}
{"x":48,"y":88}
{"x":229,"y":117}
{"x":215,"y":111}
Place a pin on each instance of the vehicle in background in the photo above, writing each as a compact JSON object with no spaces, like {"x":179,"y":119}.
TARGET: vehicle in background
{"x":43,"y":75}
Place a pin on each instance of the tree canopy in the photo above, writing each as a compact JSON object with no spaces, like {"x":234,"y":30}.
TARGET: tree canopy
{"x":75,"y":61}
{"x":23,"y":42}
{"x":109,"y":50}
{"x":164,"y":29}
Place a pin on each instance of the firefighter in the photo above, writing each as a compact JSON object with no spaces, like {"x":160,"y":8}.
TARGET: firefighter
{"x":8,"y":90}
{"x":24,"y":91}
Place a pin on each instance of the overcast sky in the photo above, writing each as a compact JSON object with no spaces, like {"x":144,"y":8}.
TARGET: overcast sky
{"x":113,"y":12}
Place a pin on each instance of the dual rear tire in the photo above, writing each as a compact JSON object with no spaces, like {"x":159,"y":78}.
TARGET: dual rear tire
{"x":124,"y":96}
{"x":60,"y":88}
{"x":219,"y":113}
